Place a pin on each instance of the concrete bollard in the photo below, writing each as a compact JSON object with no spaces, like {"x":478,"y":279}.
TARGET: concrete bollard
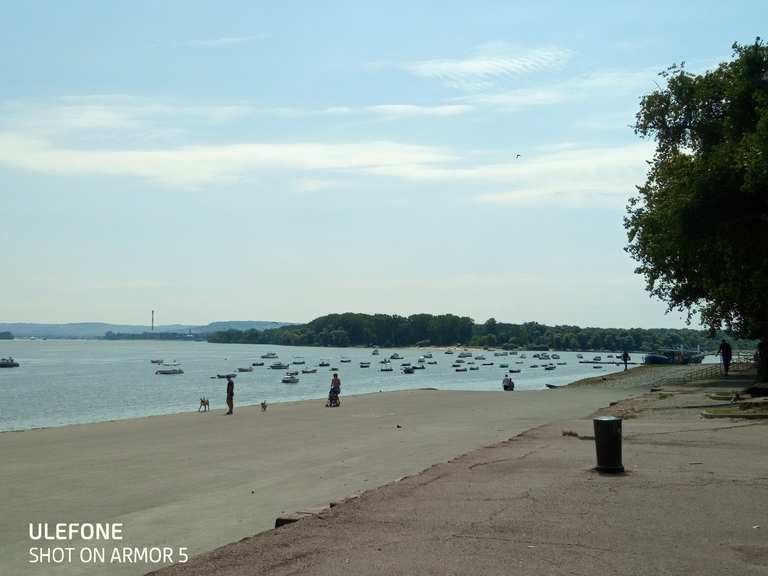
{"x":608,"y":444}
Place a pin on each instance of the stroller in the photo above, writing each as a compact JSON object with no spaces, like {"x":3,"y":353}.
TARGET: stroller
{"x":333,"y":398}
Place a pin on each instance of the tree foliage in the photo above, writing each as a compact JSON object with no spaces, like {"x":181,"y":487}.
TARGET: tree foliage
{"x":699,"y":226}
{"x":447,"y":330}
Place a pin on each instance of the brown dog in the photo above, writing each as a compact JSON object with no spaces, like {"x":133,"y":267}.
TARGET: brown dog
{"x":205,"y":404}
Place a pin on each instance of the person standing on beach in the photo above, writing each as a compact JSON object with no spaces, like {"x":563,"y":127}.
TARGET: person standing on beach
{"x":625,"y":358}
{"x":726,"y":353}
{"x":230,"y":395}
{"x":333,"y":393}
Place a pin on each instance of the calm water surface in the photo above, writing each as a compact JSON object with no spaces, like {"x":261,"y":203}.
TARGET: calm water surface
{"x":77,"y":381}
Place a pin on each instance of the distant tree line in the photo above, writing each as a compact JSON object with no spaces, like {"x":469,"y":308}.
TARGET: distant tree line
{"x":352,"y":329}
{"x":6,"y":336}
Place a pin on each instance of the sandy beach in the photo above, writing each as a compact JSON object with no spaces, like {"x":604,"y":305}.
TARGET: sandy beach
{"x":203,"y":480}
{"x":690,"y":502}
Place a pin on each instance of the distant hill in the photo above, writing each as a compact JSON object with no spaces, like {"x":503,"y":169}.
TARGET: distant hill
{"x":96,"y":330}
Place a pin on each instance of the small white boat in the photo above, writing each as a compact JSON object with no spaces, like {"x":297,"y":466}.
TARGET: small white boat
{"x":432,"y":362}
{"x":278,"y":365}
{"x":269,"y":355}
{"x":156,"y":361}
{"x":289,"y":380}
{"x":365,"y":364}
{"x":324,"y":363}
{"x":461,"y":369}
{"x":258,"y":364}
{"x":465,"y":354}
{"x":292,"y":373}
{"x":298,"y":361}
{"x":597,"y":359}
{"x":395,"y":356}
{"x":555,"y":356}
{"x":386,"y":368}
{"x":345,"y":360}
{"x":449,"y":352}
{"x":428,"y":355}
{"x":308,"y":370}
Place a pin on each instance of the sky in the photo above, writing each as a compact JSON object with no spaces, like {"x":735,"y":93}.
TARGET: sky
{"x":244,"y":160}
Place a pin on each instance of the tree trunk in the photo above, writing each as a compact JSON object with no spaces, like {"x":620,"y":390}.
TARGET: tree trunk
{"x":762,"y":362}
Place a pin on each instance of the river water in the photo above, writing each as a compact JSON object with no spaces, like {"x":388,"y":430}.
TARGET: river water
{"x":77,"y":381}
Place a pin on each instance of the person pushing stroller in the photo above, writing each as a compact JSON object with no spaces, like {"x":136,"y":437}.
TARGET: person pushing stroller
{"x":333,"y":394}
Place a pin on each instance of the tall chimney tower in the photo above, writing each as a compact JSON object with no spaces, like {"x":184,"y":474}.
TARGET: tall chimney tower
{"x":153,"y":320}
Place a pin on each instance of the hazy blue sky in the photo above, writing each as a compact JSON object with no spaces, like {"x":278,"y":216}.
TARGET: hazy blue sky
{"x":283,"y":160}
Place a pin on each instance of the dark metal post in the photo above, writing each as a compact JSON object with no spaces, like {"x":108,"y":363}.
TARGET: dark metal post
{"x":608,"y":444}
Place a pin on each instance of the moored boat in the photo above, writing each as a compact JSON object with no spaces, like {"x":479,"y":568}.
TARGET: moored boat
{"x":248,"y":369}
{"x":8,"y":363}
{"x":168,"y":371}
{"x":269,"y":355}
{"x":287,"y":379}
{"x":278,"y":365}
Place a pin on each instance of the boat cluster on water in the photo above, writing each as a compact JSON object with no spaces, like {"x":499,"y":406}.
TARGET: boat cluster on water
{"x":466,"y":361}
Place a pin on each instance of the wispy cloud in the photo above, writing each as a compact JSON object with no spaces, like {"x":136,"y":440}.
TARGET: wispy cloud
{"x":571,"y":174}
{"x":490,"y":64}
{"x":614,"y":82}
{"x":191,"y":166}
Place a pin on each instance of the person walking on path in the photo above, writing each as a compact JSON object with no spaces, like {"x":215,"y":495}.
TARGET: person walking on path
{"x":230,"y":395}
{"x":625,"y":358}
{"x":726,"y":353}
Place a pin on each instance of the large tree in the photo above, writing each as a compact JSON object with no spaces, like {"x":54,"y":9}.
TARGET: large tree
{"x":699,"y":226}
